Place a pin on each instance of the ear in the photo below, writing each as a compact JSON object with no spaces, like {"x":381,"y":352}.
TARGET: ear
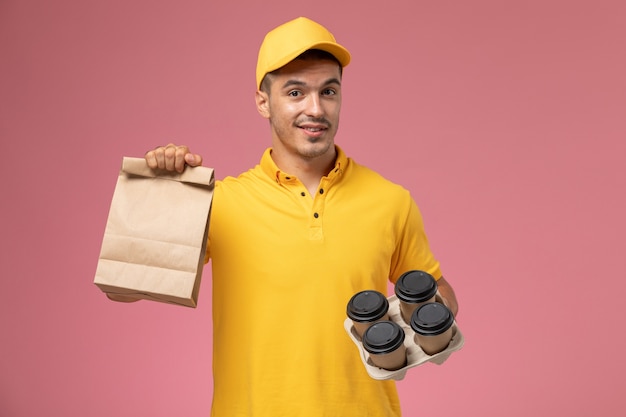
{"x":263,"y":103}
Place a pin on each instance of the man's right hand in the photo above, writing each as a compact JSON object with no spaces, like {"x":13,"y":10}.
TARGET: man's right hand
{"x":172,"y":158}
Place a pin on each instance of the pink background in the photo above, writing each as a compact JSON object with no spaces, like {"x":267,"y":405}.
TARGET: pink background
{"x":505,"y":119}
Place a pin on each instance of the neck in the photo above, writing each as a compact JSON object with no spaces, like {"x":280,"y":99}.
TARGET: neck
{"x":308,"y":170}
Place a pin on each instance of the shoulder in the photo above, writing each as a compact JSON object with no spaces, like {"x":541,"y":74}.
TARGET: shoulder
{"x":242,"y":181}
{"x":364,"y":177}
{"x":247,"y":189}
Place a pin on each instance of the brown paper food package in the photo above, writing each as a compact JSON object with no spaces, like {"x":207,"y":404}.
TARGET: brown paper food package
{"x":155,"y":238}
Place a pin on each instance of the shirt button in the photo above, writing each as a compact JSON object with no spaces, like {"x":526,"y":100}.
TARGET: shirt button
{"x":302,"y":193}
{"x":321,"y":191}
{"x":316,"y":215}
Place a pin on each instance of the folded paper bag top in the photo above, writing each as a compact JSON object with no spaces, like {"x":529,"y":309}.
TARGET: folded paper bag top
{"x":155,"y":237}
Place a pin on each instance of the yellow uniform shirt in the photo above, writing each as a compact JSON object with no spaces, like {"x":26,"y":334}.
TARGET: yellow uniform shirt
{"x":284,"y":267}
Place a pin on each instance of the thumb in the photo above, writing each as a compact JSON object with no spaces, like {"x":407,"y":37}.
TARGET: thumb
{"x":193,"y":160}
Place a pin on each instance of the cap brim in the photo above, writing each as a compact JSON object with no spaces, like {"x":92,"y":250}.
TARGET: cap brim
{"x":336,"y":50}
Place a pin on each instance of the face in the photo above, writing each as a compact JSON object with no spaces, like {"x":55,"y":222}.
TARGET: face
{"x":303,"y":108}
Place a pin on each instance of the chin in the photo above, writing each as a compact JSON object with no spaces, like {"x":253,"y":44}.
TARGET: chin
{"x":316,"y":149}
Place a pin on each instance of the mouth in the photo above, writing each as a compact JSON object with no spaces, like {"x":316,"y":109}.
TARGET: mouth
{"x":313,"y":133}
{"x":313,"y":128}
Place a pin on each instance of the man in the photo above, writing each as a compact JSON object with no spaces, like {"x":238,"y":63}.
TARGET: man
{"x":291,"y":241}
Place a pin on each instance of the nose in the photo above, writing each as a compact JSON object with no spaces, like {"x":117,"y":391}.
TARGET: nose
{"x":314,"y":107}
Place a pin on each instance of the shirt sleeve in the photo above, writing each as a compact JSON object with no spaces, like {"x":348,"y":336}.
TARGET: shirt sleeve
{"x":412,"y":249}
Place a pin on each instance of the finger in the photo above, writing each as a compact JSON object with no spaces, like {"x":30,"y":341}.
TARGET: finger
{"x":179,"y":158}
{"x":122,"y":298}
{"x":169,"y":156}
{"x":151,"y":159}
{"x":159,"y":156}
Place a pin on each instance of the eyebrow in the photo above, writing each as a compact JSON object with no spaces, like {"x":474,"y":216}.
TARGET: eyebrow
{"x":297,"y":83}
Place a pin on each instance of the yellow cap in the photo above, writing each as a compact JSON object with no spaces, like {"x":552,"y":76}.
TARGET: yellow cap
{"x":284,"y":43}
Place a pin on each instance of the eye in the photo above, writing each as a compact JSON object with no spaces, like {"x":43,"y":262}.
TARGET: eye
{"x":329,"y":92}
{"x":294,"y":93}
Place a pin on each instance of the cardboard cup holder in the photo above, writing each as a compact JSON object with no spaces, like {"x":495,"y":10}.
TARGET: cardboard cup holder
{"x":415,"y":355}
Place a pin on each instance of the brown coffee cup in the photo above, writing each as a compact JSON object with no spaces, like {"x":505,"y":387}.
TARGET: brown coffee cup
{"x":366,"y":308}
{"x":384,"y":341}
{"x":432,"y":324}
{"x":414,"y":289}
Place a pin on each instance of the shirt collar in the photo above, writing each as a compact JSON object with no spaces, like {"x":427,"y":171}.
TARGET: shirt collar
{"x":271,"y":169}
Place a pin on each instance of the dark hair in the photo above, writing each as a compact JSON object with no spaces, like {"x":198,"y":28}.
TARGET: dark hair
{"x":308,"y":55}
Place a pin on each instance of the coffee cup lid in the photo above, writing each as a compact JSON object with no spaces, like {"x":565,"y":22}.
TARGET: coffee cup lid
{"x":431,"y":319}
{"x":366,"y":306}
{"x":383,"y":337}
{"x":415,"y":286}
